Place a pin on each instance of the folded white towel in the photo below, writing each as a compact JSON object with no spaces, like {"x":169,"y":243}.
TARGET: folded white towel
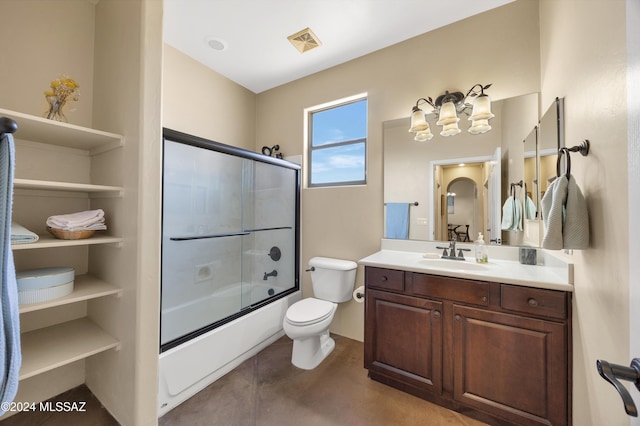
{"x":21,"y":235}
{"x":565,"y":216}
{"x":90,"y":219}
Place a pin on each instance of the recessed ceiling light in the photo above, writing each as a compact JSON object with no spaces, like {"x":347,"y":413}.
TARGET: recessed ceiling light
{"x":216,"y":43}
{"x":304,"y":40}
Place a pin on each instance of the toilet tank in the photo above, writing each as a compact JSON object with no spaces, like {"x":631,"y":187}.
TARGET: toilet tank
{"x":332,"y":279}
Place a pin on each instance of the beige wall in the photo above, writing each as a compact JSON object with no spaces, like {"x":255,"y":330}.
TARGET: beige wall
{"x":204,"y":103}
{"x":43,"y":41}
{"x":583,"y":58}
{"x":348,"y":222}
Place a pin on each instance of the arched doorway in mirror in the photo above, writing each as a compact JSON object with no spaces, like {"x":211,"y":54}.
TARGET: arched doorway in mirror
{"x":462,"y":209}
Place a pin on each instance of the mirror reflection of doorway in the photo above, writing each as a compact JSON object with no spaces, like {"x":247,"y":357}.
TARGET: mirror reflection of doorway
{"x":462,"y":209}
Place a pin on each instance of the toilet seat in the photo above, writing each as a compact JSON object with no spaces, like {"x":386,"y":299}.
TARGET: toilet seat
{"x":309,"y":311}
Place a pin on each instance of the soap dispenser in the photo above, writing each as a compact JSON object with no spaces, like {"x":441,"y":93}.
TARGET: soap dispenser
{"x":482,"y":254}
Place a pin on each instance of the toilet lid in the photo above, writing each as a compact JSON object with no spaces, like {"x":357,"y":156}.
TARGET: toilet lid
{"x":310,"y":310}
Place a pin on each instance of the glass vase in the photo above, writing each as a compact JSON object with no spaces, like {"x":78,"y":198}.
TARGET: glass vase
{"x":55,"y":109}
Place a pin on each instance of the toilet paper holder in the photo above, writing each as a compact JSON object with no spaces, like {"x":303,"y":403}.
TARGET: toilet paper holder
{"x":358,"y":294}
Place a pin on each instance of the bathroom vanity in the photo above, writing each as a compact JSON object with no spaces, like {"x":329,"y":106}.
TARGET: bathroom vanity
{"x":493,"y":343}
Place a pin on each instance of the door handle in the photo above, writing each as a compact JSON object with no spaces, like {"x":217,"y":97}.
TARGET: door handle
{"x":612,"y":372}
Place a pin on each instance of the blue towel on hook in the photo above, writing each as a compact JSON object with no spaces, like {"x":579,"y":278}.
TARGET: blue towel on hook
{"x":10,"y":355}
{"x":397,"y":223}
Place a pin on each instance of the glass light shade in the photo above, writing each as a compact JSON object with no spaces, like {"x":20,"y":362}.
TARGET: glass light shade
{"x":424,"y":135}
{"x":450,"y":129}
{"x":418,"y":121}
{"x":447,"y":114}
{"x":479,"y":126}
{"x":481,"y":109}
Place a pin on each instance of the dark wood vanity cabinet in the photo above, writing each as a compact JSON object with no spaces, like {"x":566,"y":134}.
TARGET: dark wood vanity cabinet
{"x":498,"y":352}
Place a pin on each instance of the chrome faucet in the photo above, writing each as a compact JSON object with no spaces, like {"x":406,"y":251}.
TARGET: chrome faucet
{"x":273,"y":273}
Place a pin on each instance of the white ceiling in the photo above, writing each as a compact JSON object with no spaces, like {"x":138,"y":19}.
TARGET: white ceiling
{"x":258,"y":55}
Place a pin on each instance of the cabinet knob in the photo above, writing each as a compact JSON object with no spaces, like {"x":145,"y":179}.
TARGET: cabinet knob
{"x":532,"y":302}
{"x":384,"y":278}
{"x":436,"y":314}
{"x":484,"y":298}
{"x":457,"y":317}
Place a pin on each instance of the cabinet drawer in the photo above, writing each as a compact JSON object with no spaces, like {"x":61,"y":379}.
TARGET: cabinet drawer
{"x":534,"y":301}
{"x":388,"y":279}
{"x":476,"y":292}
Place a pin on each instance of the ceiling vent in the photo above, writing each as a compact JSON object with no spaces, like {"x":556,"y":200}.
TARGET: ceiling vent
{"x":304,"y":40}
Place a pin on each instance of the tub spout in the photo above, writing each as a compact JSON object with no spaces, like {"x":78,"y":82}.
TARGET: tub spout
{"x":273,"y":273}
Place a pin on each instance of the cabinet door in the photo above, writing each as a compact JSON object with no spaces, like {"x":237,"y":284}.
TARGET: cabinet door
{"x":512,"y":367}
{"x":403,"y":339}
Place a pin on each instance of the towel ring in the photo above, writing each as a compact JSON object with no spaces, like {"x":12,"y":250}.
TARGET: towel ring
{"x":583,"y":149}
{"x":513,"y":189}
{"x":561,"y":152}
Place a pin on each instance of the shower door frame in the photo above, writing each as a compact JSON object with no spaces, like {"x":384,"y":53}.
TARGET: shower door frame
{"x":198,"y":142}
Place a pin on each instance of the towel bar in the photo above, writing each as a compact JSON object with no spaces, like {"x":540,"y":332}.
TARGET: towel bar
{"x":415,"y":203}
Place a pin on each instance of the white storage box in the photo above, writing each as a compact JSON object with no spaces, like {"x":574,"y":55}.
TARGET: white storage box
{"x":43,"y":284}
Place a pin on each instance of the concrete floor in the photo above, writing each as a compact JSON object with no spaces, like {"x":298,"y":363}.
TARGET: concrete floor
{"x":267,"y":390}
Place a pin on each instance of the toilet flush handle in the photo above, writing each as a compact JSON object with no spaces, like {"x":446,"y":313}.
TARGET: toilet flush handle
{"x":310,"y":269}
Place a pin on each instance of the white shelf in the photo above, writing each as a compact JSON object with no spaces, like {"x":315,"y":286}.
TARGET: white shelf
{"x":85,"y":287}
{"x":65,"y":186}
{"x":48,"y":241}
{"x":53,"y":132}
{"x":52,"y":347}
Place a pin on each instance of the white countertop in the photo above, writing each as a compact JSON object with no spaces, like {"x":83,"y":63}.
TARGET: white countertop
{"x":554,"y":275}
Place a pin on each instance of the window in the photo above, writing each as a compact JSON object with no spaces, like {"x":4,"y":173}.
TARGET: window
{"x":337,"y":144}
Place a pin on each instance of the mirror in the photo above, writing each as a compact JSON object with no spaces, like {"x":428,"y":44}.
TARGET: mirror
{"x":531,"y":192}
{"x":423,"y":175}
{"x":547,"y":138}
{"x":551,"y":139}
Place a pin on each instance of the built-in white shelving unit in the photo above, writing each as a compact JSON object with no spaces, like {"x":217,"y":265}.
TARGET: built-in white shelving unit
{"x":66,"y":186}
{"x":61,"y":343}
{"x":47,"y":241}
{"x":67,"y":135}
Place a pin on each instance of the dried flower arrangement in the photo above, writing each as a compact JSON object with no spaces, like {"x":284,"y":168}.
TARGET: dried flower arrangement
{"x":63,"y":89}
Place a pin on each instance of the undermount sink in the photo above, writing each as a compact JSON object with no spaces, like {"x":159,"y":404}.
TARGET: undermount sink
{"x":457,"y":265}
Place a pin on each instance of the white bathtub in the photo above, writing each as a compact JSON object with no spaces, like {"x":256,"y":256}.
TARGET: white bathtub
{"x":192,"y":315}
{"x":193,"y":365}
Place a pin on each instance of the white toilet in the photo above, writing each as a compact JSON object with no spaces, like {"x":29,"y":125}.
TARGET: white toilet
{"x":307,"y":321}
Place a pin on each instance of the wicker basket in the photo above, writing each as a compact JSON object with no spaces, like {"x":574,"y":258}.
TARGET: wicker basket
{"x":63,"y":234}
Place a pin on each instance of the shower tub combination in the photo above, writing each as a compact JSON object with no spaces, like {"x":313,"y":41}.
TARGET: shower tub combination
{"x":230,"y":250}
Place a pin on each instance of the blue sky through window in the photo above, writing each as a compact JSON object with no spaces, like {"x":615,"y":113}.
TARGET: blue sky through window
{"x":341,"y":163}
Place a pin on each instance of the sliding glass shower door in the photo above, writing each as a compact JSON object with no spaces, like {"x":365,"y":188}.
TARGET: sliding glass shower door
{"x":229,"y":234}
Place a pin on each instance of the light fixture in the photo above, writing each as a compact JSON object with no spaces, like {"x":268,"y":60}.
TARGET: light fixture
{"x":447,"y":107}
